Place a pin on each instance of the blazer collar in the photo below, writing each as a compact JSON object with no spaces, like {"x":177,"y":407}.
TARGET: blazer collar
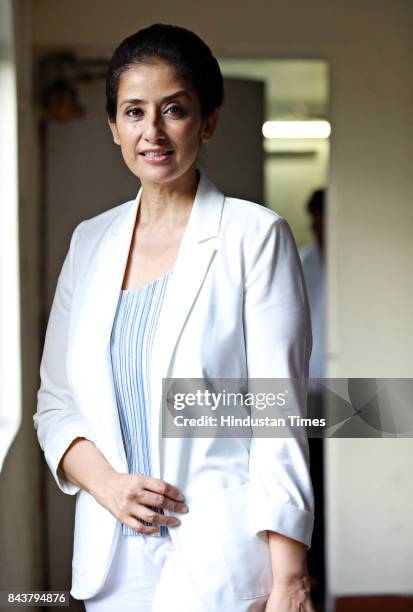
{"x":205,"y":218}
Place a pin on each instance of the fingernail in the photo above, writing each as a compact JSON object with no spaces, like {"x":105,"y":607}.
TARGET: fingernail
{"x":185,"y":508}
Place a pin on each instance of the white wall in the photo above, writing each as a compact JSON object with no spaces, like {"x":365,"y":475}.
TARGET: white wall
{"x":10,"y":394}
{"x":369,"y":48}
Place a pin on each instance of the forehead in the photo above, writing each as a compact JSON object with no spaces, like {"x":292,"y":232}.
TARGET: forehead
{"x":151,"y":79}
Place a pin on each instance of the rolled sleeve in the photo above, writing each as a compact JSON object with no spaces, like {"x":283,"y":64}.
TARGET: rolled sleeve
{"x":278,"y":346}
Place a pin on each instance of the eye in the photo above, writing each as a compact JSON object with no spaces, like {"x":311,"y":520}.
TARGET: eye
{"x":136,"y":112}
{"x":175,"y":110}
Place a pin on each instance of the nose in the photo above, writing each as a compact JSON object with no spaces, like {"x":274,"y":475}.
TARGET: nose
{"x":153,"y":128}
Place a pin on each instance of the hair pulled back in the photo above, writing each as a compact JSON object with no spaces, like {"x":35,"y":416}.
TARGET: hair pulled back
{"x":186,"y":52}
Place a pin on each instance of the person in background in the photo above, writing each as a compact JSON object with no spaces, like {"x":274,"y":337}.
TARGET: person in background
{"x":313,"y":262}
{"x":312,"y":259}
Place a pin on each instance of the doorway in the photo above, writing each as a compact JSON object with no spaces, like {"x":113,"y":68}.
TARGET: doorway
{"x":295,"y":134}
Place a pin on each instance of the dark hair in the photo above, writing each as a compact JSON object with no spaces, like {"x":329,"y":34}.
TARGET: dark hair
{"x":316,"y":202}
{"x":190,"y":57}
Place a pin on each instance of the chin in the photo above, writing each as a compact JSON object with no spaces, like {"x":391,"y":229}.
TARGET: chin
{"x":162,"y":174}
{"x":158,"y":175}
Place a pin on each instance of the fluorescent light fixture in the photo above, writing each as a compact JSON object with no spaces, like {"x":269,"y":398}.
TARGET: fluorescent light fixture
{"x":296,"y":129}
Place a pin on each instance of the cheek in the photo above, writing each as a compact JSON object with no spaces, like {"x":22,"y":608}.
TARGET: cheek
{"x":128,"y":135}
{"x":189,"y":135}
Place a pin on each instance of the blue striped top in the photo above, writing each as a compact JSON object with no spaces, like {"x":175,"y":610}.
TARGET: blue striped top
{"x":131,"y":342}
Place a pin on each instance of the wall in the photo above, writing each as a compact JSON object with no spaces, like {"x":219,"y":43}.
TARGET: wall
{"x":369,"y":48}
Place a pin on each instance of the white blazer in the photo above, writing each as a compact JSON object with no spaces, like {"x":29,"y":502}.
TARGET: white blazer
{"x":235,"y":307}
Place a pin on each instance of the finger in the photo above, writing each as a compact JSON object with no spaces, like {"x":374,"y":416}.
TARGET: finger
{"x":308,"y":605}
{"x":164,"y":488}
{"x":156,"y":500}
{"x":151,"y":516}
{"x":139,"y":527}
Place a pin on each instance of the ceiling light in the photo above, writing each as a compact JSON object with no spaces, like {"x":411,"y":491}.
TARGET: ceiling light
{"x":296,"y":129}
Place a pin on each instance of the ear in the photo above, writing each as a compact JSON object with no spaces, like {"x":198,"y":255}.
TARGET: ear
{"x":114,"y":131}
{"x":209,"y":126}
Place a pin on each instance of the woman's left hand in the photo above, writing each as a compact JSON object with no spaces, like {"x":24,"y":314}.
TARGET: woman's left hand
{"x":290,"y":596}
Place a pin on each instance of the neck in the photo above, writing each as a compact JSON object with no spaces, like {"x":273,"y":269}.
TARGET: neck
{"x":168,"y":202}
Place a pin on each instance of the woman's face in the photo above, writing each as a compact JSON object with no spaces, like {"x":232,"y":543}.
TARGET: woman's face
{"x":158,"y":111}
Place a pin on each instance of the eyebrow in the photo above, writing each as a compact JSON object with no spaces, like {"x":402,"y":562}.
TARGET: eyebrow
{"x":177,"y":94}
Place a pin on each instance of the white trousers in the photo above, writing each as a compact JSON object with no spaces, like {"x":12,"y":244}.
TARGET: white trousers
{"x":147,"y":575}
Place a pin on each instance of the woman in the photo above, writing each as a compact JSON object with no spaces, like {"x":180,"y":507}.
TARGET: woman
{"x":184,"y":283}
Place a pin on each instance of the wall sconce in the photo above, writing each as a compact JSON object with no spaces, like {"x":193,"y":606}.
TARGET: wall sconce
{"x":58,"y":78}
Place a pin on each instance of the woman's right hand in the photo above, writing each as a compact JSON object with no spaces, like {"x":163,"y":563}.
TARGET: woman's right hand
{"x":129,"y":497}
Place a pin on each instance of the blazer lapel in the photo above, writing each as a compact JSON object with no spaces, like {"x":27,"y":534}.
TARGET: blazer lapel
{"x":193,"y":260}
{"x":194,"y":257}
{"x":92,"y":330}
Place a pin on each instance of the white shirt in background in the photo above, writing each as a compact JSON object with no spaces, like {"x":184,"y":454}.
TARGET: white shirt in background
{"x":314,"y":278}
